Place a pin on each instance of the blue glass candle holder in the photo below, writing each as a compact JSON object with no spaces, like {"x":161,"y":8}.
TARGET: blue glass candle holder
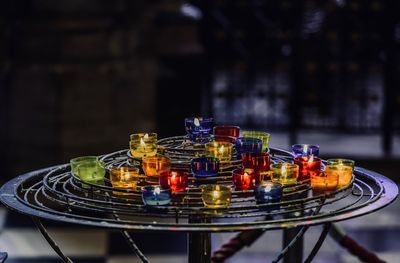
{"x":248,"y":145}
{"x":268,"y":192}
{"x":156,"y":195}
{"x":204,"y":167}
{"x":199,"y":129}
{"x":305,"y":150}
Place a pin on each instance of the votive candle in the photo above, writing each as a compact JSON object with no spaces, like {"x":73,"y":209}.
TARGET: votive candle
{"x":89,"y":169}
{"x":305,"y":150}
{"x":343,"y":167}
{"x":177,"y":180}
{"x":220,"y":150}
{"x":216,"y":196}
{"x":325,"y":182}
{"x":156,"y":166}
{"x":124,"y":178}
{"x":198,"y":129}
{"x":245,"y":145}
{"x":268,"y":192}
{"x":143,"y":144}
{"x":308,"y":166}
{"x":284,"y":173}
{"x":259,"y":162}
{"x":226,"y":133}
{"x":264,"y":136}
{"x":203,"y":167}
{"x":243,"y":179}
{"x":153,"y":195}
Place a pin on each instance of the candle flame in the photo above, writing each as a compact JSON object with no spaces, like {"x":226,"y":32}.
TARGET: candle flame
{"x":126,"y":176}
{"x":311,"y":159}
{"x":245,"y":174}
{"x":221,"y":149}
{"x":142,"y":143}
{"x":215,"y":194}
{"x":305,"y":149}
{"x":284,"y":170}
{"x":196,"y":122}
{"x":173,"y":175}
{"x":268,"y":188}
{"x":157,"y":190}
{"x":146,"y":136}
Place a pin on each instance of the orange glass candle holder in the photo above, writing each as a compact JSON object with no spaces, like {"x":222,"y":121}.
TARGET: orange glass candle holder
{"x":243,"y":179}
{"x":177,"y":180}
{"x":343,"y":168}
{"x":220,"y":150}
{"x":124,"y":178}
{"x":284,"y":173}
{"x":308,"y":166}
{"x":155,"y":166}
{"x":143,"y":144}
{"x":324,"y":183}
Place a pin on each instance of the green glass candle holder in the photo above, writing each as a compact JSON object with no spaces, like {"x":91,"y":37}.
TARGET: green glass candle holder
{"x":264,"y":136}
{"x":89,"y":169}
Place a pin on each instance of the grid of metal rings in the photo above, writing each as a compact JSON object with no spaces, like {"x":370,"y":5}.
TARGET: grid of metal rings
{"x":56,"y":194}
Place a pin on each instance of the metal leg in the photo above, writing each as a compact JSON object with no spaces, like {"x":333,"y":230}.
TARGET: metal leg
{"x":3,"y":257}
{"x":199,"y":244}
{"x":295,"y":253}
{"x":49,"y":240}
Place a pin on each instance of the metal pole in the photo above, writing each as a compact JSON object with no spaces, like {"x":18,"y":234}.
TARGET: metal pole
{"x":199,"y":243}
{"x":295,"y":253}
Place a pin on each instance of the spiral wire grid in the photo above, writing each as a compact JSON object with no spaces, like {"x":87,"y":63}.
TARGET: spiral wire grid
{"x":56,"y":194}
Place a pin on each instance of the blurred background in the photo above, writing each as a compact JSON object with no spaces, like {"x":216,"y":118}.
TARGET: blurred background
{"x":77,"y":77}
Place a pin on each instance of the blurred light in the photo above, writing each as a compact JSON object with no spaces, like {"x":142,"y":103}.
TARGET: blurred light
{"x":191,"y":11}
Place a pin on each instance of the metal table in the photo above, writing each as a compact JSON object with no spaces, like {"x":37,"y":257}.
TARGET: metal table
{"x":55,"y":194}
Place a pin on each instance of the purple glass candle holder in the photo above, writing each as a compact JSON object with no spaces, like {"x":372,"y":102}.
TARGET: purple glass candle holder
{"x":305,"y":150}
{"x":204,"y":167}
{"x":248,"y":145}
{"x":199,"y":129}
{"x":156,"y":195}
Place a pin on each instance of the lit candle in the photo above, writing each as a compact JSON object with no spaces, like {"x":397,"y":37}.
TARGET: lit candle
{"x":243,"y":179}
{"x":248,"y":145}
{"x":216,"y":196}
{"x":268,"y":192}
{"x":226,"y":133}
{"x":284,"y":173}
{"x":198,"y":129}
{"x":308,"y":166}
{"x":259,"y":162}
{"x":155,"y":195}
{"x":305,"y":150}
{"x":324,"y":182}
{"x":220,"y":150}
{"x":124,"y":178}
{"x":263,"y":136}
{"x":89,"y":169}
{"x":155,"y":166}
{"x":177,"y":180}
{"x":204,"y":167}
{"x":344,"y":169}
{"x":143,"y":144}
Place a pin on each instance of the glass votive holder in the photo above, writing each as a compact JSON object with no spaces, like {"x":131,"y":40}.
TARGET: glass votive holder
{"x":124,"y":178}
{"x":259,"y":162}
{"x":305,"y":150}
{"x":198,"y":129}
{"x":246,"y":145}
{"x":143,"y":144}
{"x":155,"y":166}
{"x":226,"y":133}
{"x":268,"y":192}
{"x":308,"y":166}
{"x":204,"y":167}
{"x":284,"y":173}
{"x":220,"y":150}
{"x":177,"y":180}
{"x":343,"y":167}
{"x":216,"y":196}
{"x":264,"y":136}
{"x":243,"y":179}
{"x":325,"y":182}
{"x":156,"y":195}
{"x":89,"y":169}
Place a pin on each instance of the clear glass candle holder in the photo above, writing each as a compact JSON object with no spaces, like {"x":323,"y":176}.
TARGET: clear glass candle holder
{"x":177,"y":180}
{"x":216,"y":196}
{"x":89,"y":169}
{"x":198,"y":129}
{"x":343,"y":167}
{"x":284,"y":173}
{"x":220,"y":150}
{"x":308,"y":166}
{"x":264,"y":136}
{"x":243,"y":179}
{"x":155,"y":195}
{"x":124,"y":178}
{"x":305,"y":150}
{"x":143,"y":144}
{"x":259,"y":162}
{"x":226,"y":133}
{"x":248,"y":145}
{"x":325,"y":182}
{"x":268,"y":192}
{"x":155,"y":166}
{"x":204,"y":167}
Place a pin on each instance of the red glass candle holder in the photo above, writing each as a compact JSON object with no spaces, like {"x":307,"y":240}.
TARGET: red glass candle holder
{"x":177,"y":180}
{"x":226,"y":133}
{"x":259,"y":162}
{"x":243,"y":179}
{"x":308,"y":166}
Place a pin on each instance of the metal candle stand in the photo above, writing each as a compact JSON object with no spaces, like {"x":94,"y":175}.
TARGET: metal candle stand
{"x":55,"y":194}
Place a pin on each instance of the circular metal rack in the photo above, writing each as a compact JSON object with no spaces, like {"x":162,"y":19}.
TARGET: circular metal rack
{"x":56,"y":194}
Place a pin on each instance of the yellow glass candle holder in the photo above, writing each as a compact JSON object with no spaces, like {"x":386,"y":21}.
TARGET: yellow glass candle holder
{"x":264,"y":136}
{"x":156,"y":166}
{"x":324,"y":182}
{"x":216,"y":196}
{"x":284,"y":173}
{"x":343,"y":168}
{"x":124,"y":178}
{"x":143,"y":144}
{"x":220,"y":150}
